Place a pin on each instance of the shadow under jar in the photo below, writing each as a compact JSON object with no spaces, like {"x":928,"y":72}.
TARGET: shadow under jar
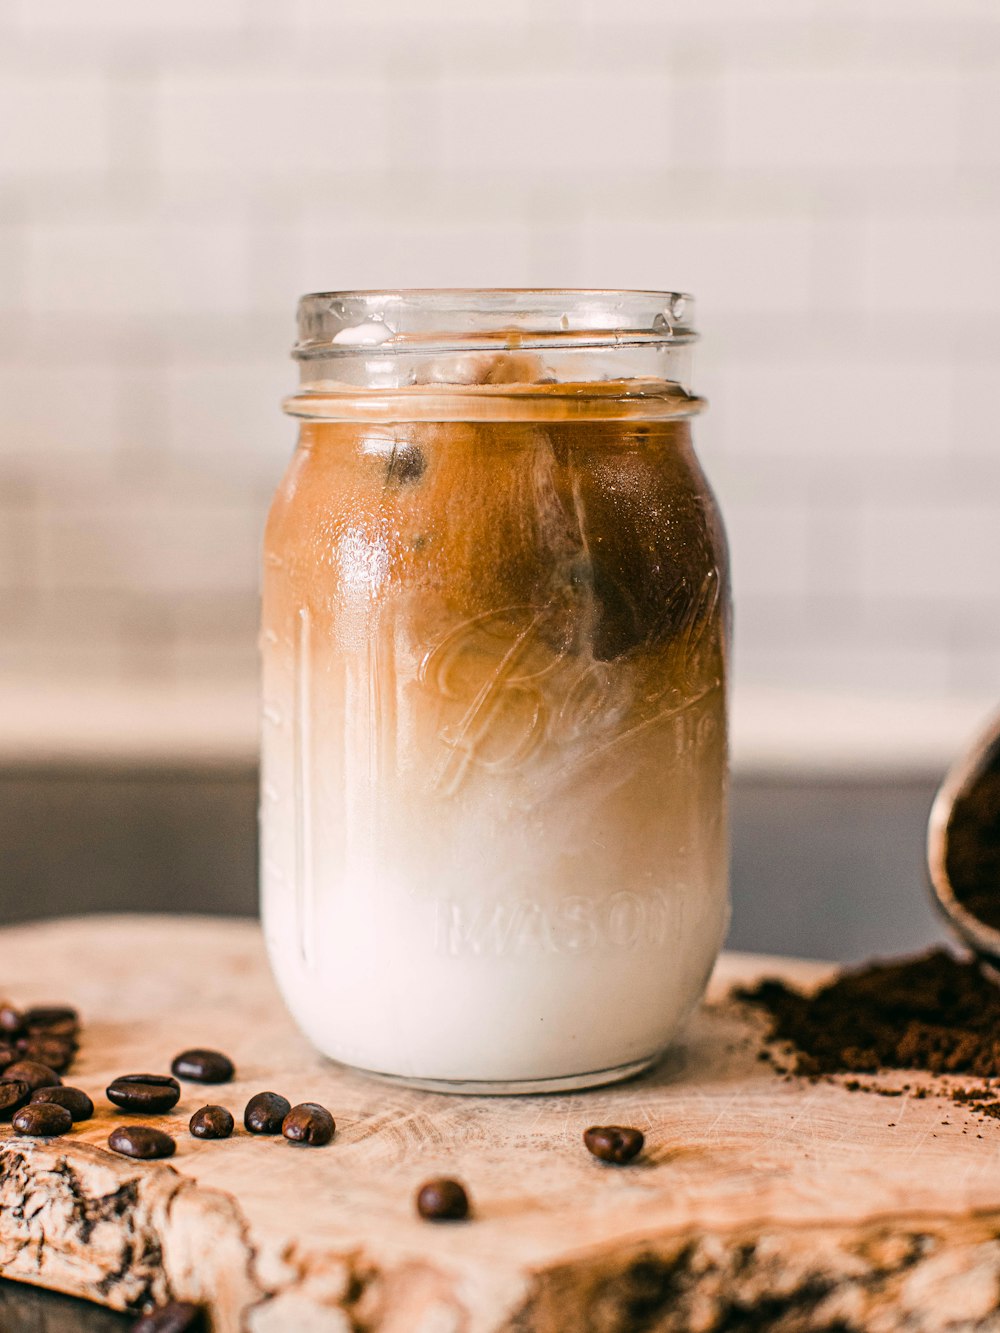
{"x":495,"y":637}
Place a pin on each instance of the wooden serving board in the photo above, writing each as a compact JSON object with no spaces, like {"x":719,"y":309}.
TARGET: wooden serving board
{"x":759,"y":1203}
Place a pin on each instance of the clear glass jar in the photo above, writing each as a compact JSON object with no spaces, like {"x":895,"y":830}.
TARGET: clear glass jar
{"x":495,"y":638}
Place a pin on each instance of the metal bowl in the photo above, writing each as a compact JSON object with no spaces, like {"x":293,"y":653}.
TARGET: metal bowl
{"x":961,"y":779}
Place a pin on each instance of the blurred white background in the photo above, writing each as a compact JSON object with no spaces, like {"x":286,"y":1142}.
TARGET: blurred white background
{"x":825,"y":177}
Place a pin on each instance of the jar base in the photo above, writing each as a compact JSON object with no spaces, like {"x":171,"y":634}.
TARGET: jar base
{"x":522,"y":1087}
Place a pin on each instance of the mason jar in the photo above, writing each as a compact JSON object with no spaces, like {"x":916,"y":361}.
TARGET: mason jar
{"x":495,"y":641}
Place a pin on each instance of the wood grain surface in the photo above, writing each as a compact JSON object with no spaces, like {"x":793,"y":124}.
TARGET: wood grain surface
{"x":759,"y":1203}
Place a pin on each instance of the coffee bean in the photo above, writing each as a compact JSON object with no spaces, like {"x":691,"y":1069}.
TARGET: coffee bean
{"x":442,"y":1201}
{"x":7,"y":1057}
{"x":58,"y":1055}
{"x":76,"y":1102}
{"x":212,"y":1122}
{"x":44,"y":1120}
{"x":44,"y":1015}
{"x":200,"y":1066}
{"x":50,"y":1037}
{"x":177,"y":1317}
{"x":150,"y":1093}
{"x":13,"y":1095}
{"x":51,"y":1017}
{"x":63,"y":1033}
{"x":309,"y":1123}
{"x":265,"y":1112}
{"x":11,"y":1021}
{"x":141,"y":1141}
{"x":614,"y":1143}
{"x":31,"y":1072}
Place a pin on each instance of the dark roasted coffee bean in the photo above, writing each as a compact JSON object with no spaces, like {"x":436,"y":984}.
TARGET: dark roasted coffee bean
{"x":614,"y":1143}
{"x":46,"y":1037}
{"x":13,"y":1095}
{"x":34,"y":1074}
{"x":57,"y":1055}
{"x":66,"y":1032}
{"x":141,"y":1141}
{"x":7,"y":1057}
{"x":51,"y":1016}
{"x":151,"y":1094}
{"x":265,"y":1112}
{"x":442,"y":1201}
{"x":76,"y":1102}
{"x":177,"y":1317}
{"x":203,"y":1066}
{"x":45,"y":1120}
{"x":11,"y":1021}
{"x":309,"y":1123}
{"x":212,"y":1122}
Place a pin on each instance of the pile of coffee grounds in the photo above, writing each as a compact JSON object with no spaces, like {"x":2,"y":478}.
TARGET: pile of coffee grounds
{"x":934,"y":1012}
{"x":973,"y":855}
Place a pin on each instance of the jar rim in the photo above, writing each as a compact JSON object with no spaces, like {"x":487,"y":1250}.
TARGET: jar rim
{"x":389,"y":321}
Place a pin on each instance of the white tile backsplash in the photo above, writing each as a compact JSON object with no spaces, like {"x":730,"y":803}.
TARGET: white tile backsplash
{"x":310,"y":15}
{"x":146,"y":267}
{"x":261,"y":125}
{"x":936,"y":551}
{"x":841,"y":115}
{"x":561,"y":121}
{"x":824,"y":176}
{"x":772,"y":545}
{"x":57,"y":417}
{"x":144,"y":18}
{"x":845,"y":410}
{"x":980,"y":126}
{"x":11,"y":270}
{"x":412,"y":252}
{"x":976,"y":433}
{"x":729,"y":264}
{"x":18,"y":546}
{"x":146,"y":546}
{"x":54,"y":122}
{"x":948,"y":264}
{"x":226,"y":420}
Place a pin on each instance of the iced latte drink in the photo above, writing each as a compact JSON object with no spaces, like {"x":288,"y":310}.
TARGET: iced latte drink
{"x":494,"y":845}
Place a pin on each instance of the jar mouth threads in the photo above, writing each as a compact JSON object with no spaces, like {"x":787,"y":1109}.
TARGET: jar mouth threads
{"x":504,"y":341}
{"x":385,"y":323}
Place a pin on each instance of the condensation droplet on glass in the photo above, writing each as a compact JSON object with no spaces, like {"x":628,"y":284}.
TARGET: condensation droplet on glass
{"x":661,"y":324}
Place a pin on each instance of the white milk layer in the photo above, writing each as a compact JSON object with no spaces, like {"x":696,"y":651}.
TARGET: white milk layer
{"x":537,"y":894}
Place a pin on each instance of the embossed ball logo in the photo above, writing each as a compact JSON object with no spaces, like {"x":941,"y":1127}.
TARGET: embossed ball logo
{"x":516,"y":681}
